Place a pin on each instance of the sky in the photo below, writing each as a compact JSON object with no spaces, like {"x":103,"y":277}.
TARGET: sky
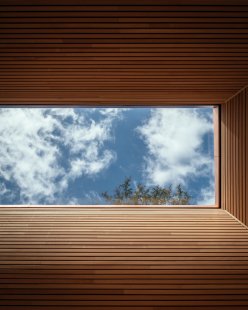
{"x":71,"y":155}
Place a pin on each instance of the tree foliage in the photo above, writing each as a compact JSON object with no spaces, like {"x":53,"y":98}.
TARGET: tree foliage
{"x":127,"y":194}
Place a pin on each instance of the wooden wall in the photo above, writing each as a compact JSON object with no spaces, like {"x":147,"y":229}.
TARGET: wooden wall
{"x":67,"y":258}
{"x":234,"y":154}
{"x":122,"y":52}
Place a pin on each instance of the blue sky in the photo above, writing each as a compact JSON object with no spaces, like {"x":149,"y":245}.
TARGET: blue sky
{"x":72,"y":155}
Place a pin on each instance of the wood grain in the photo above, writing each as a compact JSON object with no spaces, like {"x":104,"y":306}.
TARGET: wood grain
{"x":124,"y":53}
{"x":122,"y":258}
{"x":234,"y":156}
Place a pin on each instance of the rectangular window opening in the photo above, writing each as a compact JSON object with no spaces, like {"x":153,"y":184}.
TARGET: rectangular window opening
{"x":150,"y":156}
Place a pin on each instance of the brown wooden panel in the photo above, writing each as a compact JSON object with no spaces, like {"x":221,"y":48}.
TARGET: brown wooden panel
{"x":142,"y":97}
{"x":112,"y":257}
{"x":245,"y":168}
{"x":234,"y":156}
{"x":180,"y":49}
{"x":124,"y":2}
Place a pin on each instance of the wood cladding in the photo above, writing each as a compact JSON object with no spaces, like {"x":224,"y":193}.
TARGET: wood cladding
{"x":234,"y":150}
{"x":122,"y":258}
{"x":123,"y":52}
{"x":129,"y":53}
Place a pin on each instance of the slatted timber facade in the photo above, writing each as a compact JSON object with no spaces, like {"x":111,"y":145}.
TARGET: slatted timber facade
{"x":234,"y":150}
{"x":129,"y":53}
{"x":122,"y":52}
{"x":122,"y":258}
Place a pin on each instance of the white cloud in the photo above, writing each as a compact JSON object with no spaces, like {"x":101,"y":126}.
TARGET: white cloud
{"x":207,"y":194}
{"x":5,"y":193}
{"x":32,"y":143}
{"x":174,"y":138}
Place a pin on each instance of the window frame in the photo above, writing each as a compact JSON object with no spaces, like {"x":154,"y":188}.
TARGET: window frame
{"x":217,"y":152}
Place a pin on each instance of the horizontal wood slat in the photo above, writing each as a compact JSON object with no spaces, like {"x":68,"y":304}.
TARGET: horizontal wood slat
{"x":122,"y":258}
{"x":142,"y":97}
{"x":75,"y":48}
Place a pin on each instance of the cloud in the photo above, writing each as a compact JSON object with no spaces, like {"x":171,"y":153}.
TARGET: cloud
{"x":6,"y":193}
{"x":207,"y":194}
{"x":85,"y":139}
{"x":174,"y":139}
{"x":33,"y":144}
